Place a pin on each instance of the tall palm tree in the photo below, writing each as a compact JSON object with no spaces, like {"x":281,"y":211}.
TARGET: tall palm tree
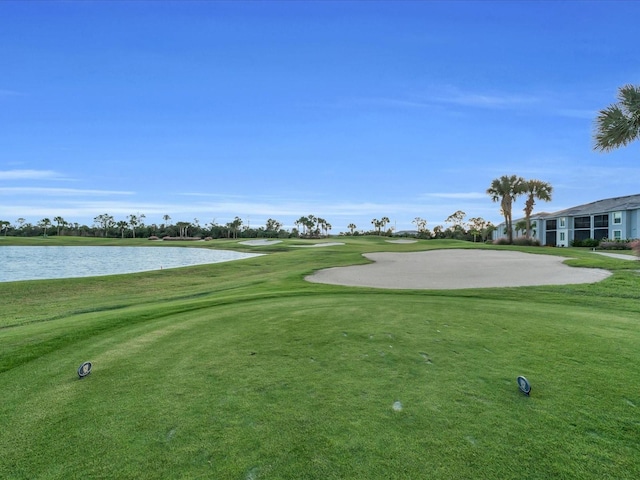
{"x":122,"y":226}
{"x":133,"y":220}
{"x":45,"y":223}
{"x":619,"y":123}
{"x":383,"y":223}
{"x":60,"y":223}
{"x":534,"y":189}
{"x":4,"y":225}
{"x":505,"y":190}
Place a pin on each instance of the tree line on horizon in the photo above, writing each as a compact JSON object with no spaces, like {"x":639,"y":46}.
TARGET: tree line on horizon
{"x":308,"y":226}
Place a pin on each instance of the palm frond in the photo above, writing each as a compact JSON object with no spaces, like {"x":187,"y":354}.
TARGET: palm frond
{"x":619,"y":124}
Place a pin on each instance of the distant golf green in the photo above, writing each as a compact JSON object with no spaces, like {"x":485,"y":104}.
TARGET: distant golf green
{"x":244,"y":370}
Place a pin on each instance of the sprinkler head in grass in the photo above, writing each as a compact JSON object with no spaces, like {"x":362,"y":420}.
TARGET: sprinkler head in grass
{"x":524,"y":385}
{"x":84,"y":370}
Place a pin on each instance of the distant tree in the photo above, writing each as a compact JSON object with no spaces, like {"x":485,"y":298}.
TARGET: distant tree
{"x":122,"y":226}
{"x":183,"y":229}
{"x":235,"y":226}
{"x":303,"y":222}
{"x":104,"y":222}
{"x":45,"y":223}
{"x":4,"y":225}
{"x":457,"y":219}
{"x":534,"y":189}
{"x":352,"y":227}
{"x":477,"y":227}
{"x":311,"y":225}
{"x":213,"y":228}
{"x":60,"y":223}
{"x":380,"y":224}
{"x":376,"y":224}
{"x":134,"y":221}
{"x":166,"y":219}
{"x":273,"y":225}
{"x":383,"y":222}
{"x":520,"y":226}
{"x":505,"y":190}
{"x":19,"y":223}
{"x":487,"y":230}
{"x":421,"y":225}
{"x":619,"y":123}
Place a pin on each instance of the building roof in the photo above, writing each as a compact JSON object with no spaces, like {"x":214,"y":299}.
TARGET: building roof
{"x":629,"y":202}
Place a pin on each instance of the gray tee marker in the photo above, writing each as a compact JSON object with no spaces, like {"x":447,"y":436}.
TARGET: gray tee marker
{"x":524,"y":386}
{"x":84,"y":370}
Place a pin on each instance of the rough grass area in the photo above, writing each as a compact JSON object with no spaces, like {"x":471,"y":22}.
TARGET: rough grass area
{"x":245,"y":371}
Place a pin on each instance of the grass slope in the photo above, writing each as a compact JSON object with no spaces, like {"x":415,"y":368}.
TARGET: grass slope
{"x":245,"y":371}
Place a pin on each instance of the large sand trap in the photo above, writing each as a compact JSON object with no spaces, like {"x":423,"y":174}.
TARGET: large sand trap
{"x":260,"y":242}
{"x":454,"y":269}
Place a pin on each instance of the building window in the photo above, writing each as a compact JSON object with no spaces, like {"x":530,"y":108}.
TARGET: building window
{"x":551,"y":224}
{"x":600,"y":221}
{"x":617,"y":218}
{"x":562,"y":236}
{"x":617,"y":234}
{"x":600,"y":233}
{"x":581,"y":235}
{"x":582,"y":222}
{"x":563,"y":222}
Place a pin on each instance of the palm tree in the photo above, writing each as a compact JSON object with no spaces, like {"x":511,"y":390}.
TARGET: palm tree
{"x":304,"y":222}
{"x":60,"y":222}
{"x":505,"y":190}
{"x":45,"y":223}
{"x":520,"y":226}
{"x":4,"y":225}
{"x":352,"y":227}
{"x":122,"y":226}
{"x":134,"y":221}
{"x":383,"y":222}
{"x":183,"y":228}
{"x":619,"y":123}
{"x":534,"y":189}
{"x":377,"y":224}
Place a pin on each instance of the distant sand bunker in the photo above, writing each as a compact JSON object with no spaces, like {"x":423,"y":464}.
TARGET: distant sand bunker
{"x":456,"y":269}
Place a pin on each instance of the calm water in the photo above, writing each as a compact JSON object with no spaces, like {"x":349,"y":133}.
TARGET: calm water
{"x":33,"y":263}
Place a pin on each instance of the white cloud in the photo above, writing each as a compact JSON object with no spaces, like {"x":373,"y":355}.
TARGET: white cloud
{"x":29,"y":175}
{"x":58,"y":192}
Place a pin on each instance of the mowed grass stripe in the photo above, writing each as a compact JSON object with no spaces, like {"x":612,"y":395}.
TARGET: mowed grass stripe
{"x":302,"y":388}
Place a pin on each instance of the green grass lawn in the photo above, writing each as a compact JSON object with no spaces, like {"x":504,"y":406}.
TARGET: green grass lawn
{"x":243,"y":370}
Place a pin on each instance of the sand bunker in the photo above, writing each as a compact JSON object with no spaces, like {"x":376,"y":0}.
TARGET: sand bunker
{"x":257,"y":243}
{"x":455,"y":269}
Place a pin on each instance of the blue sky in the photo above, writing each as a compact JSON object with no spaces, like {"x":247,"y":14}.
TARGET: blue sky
{"x":344,"y":110}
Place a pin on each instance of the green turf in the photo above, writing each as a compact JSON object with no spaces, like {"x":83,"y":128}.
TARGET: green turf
{"x":243,"y":370}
